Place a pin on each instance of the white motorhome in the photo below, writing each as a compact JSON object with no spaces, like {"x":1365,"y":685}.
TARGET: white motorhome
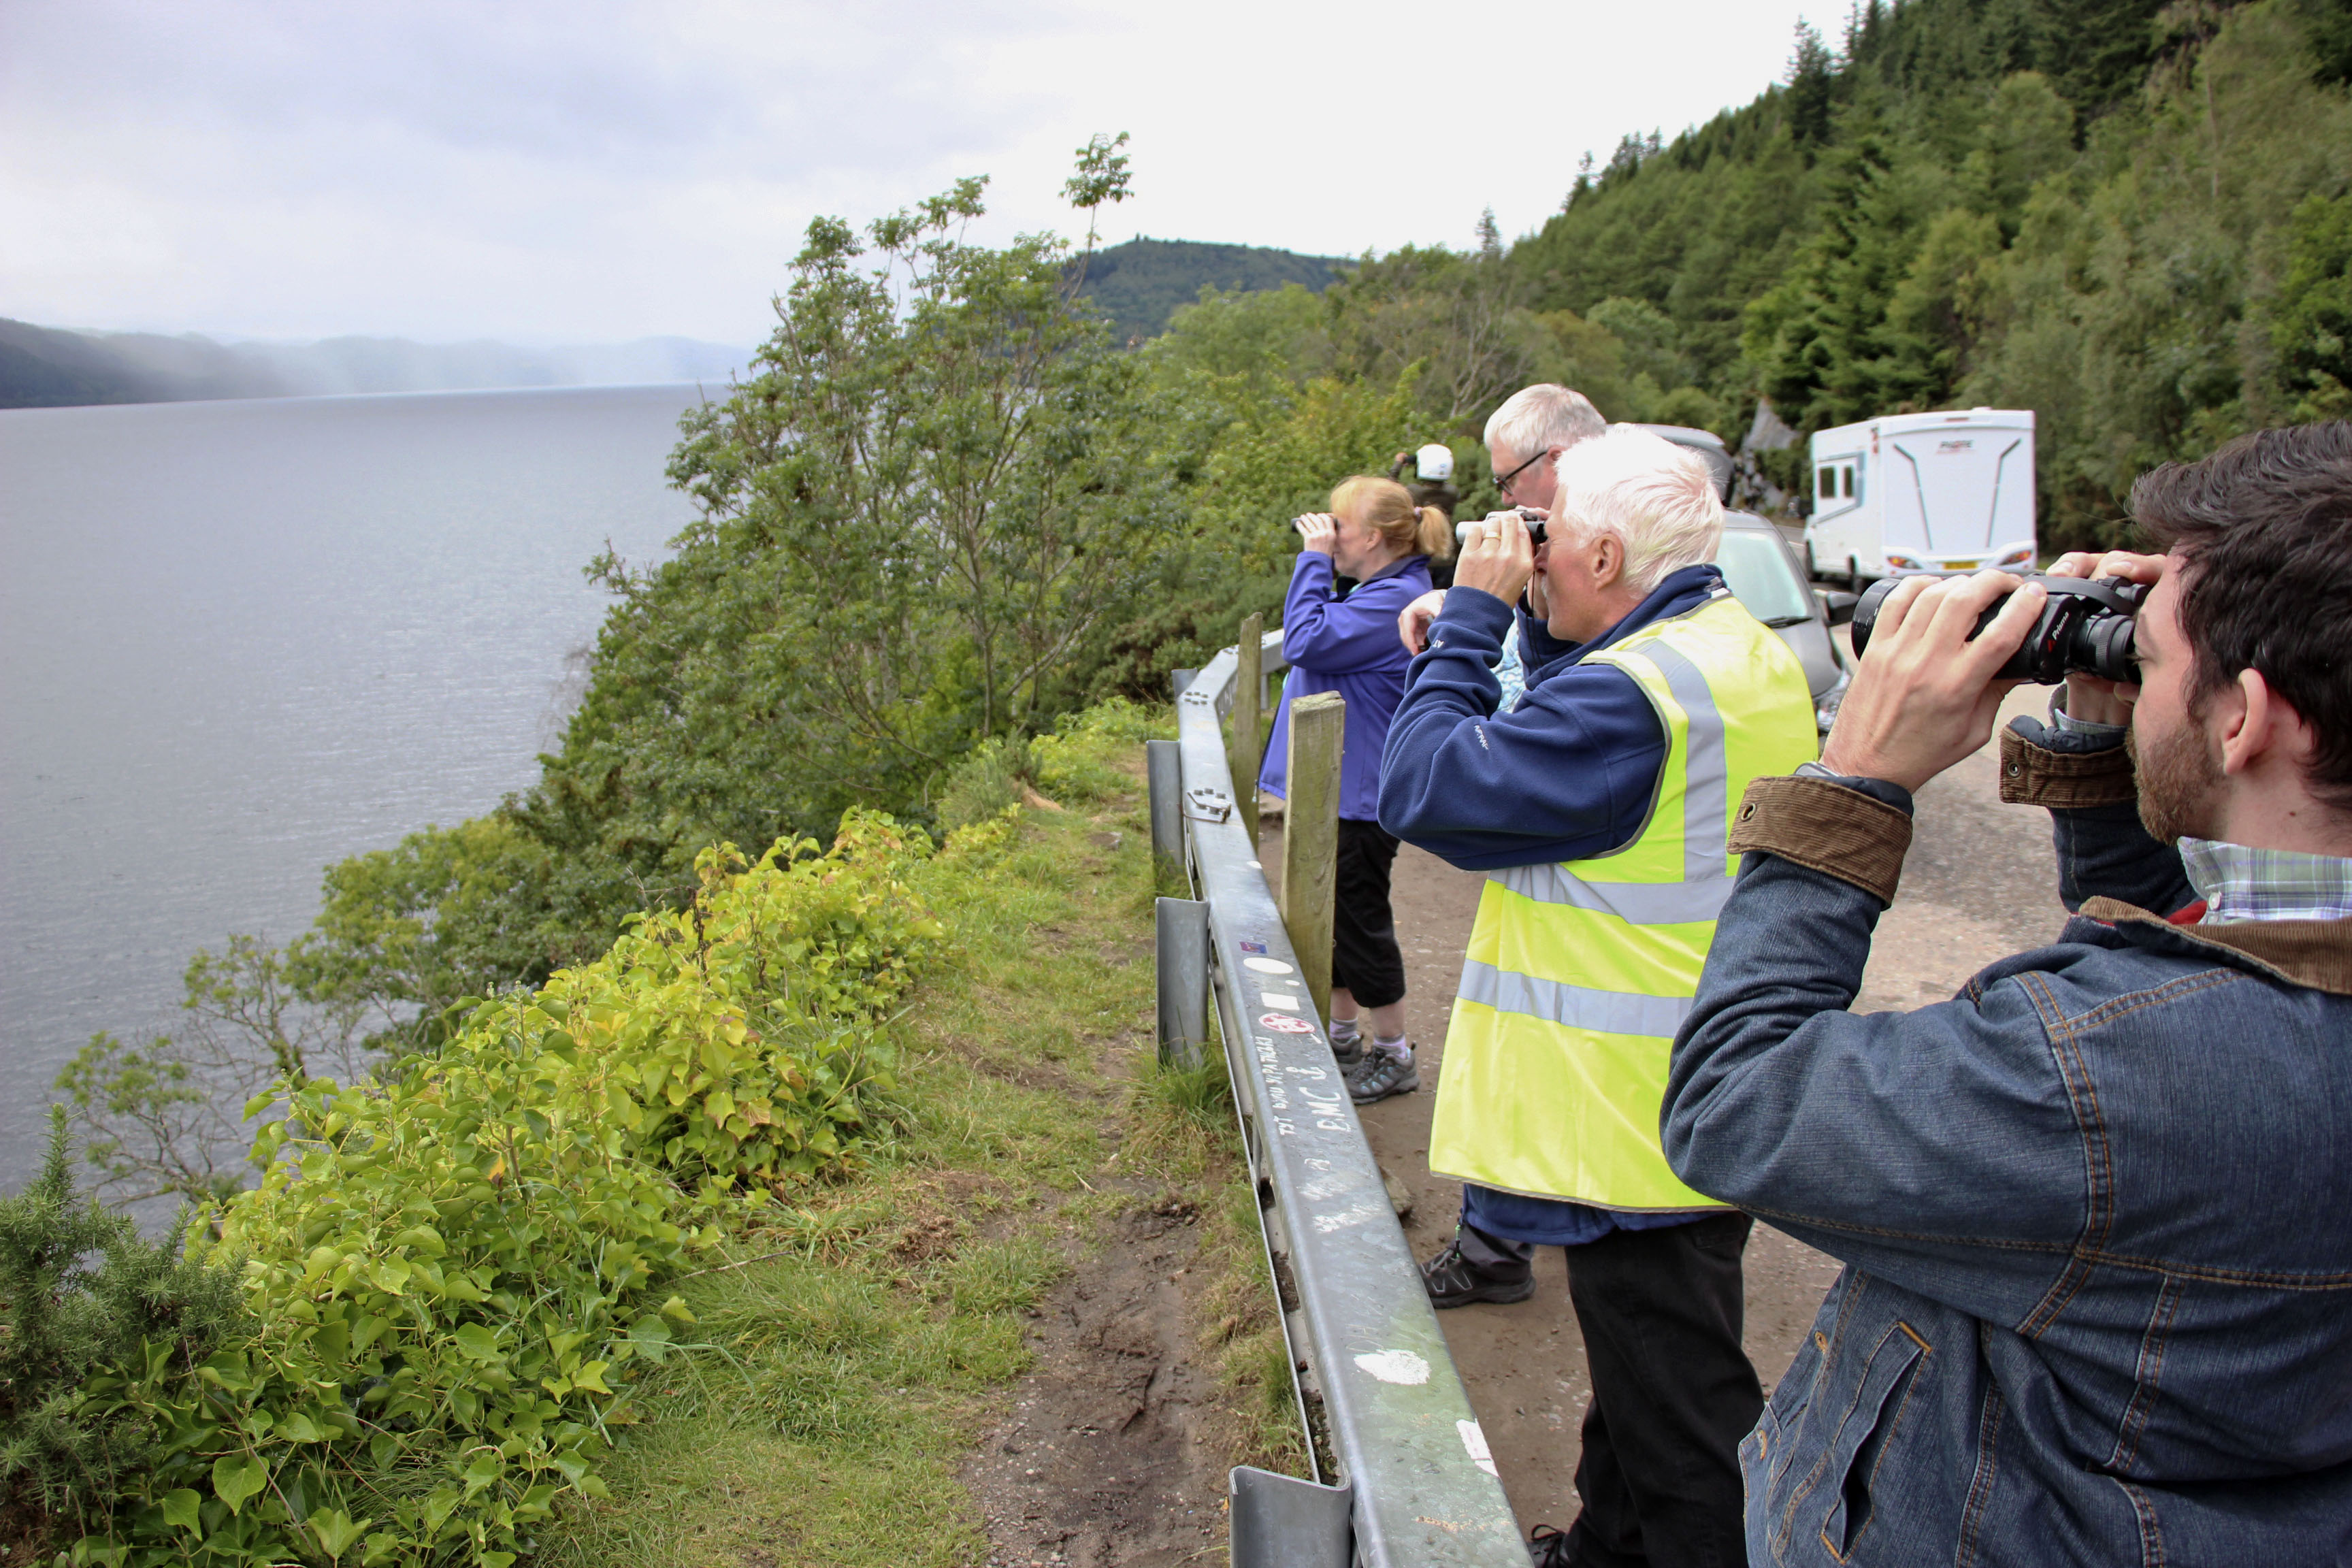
{"x":1922,"y":492}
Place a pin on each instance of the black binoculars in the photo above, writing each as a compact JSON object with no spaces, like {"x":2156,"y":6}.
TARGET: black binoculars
{"x":2085,"y":628}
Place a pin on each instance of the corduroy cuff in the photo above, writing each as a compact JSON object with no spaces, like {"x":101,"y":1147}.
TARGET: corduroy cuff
{"x":2035,"y":774}
{"x":1825,"y":828}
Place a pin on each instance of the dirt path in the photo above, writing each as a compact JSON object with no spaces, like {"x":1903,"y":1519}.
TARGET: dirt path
{"x":1110,"y":1454}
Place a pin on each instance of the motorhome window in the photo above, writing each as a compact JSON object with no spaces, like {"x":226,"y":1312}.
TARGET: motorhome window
{"x":1829,"y":484}
{"x":1846,"y":476}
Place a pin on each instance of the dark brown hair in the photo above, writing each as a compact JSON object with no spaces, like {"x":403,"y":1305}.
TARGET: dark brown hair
{"x":2264,"y":528}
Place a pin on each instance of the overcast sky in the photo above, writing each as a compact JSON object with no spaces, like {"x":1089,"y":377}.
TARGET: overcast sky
{"x":598,"y":170}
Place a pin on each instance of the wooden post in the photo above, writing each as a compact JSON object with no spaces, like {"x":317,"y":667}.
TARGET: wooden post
{"x":1248,"y":743}
{"x":1311,"y":837}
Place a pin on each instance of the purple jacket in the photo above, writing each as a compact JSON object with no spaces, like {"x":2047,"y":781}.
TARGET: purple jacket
{"x":1348,"y":645}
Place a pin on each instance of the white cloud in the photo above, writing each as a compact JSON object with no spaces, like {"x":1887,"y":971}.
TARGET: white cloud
{"x":605,"y":169}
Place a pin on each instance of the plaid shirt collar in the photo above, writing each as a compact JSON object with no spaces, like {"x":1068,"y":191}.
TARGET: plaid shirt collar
{"x":2241,"y":884}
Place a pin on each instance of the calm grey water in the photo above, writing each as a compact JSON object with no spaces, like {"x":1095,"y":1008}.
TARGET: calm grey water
{"x":241,"y":640}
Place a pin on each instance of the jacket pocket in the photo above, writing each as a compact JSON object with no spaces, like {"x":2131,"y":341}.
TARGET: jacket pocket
{"x":1851,"y":1465}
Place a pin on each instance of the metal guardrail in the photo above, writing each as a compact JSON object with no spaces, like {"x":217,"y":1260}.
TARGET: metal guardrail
{"x":1402,"y":1472}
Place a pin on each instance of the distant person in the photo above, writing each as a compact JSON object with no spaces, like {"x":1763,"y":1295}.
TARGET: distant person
{"x":1374,"y":534}
{"x":2097,"y":1297}
{"x":1432,"y":486}
{"x":1598,"y":807}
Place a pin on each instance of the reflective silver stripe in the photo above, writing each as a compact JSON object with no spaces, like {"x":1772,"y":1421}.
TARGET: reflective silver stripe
{"x":1707,"y":765}
{"x":1572,"y":1007}
{"x":1635,"y":903}
{"x":1707,"y":820}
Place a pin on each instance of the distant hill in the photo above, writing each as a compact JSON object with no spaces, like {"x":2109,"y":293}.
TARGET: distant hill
{"x":42,"y":367}
{"x":1139,"y":284}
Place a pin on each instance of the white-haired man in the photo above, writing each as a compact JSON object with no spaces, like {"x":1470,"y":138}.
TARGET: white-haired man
{"x":1600,"y":807}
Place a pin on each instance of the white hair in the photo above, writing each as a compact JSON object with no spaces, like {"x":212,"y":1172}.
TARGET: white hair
{"x":1535,"y":418}
{"x":1658,"y":499}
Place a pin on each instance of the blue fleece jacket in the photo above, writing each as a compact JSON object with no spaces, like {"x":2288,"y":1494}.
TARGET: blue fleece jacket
{"x":1569,"y":773}
{"x":1352,"y":647}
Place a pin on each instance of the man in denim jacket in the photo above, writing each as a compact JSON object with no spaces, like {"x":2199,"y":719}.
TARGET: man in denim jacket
{"x":2096,"y":1211}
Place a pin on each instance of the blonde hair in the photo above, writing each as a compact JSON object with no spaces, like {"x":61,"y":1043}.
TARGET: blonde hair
{"x":1386,"y":508}
{"x":1658,"y":499}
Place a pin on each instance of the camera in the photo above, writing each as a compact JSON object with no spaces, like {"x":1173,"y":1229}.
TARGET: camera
{"x":1535,"y":527}
{"x":2084,"y":629}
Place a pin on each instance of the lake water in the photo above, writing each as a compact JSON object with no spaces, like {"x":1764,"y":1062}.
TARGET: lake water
{"x":239,"y":641}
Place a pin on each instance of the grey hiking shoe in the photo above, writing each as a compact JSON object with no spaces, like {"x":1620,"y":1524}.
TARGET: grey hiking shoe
{"x":1382,"y":1074}
{"x":1349,"y":1055}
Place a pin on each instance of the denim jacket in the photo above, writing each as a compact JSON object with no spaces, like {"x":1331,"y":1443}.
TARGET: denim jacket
{"x":2097,"y":1301}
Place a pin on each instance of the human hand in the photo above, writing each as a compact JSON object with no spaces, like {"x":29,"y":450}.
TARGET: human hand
{"x":1412,"y":622}
{"x":1924,"y":696}
{"x":1497,"y":557}
{"x":2088,"y":697}
{"x":1320,"y":529}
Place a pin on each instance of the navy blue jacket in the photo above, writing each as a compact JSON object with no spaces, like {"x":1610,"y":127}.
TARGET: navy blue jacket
{"x":2097,"y":1303}
{"x":1569,"y":772}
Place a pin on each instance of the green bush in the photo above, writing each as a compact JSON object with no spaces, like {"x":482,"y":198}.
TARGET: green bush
{"x":1078,"y":764}
{"x":64,"y":1322}
{"x":450,"y":1269}
{"x":985,"y":783}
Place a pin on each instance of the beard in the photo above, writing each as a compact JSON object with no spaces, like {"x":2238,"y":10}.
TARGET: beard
{"x":2181,"y":780}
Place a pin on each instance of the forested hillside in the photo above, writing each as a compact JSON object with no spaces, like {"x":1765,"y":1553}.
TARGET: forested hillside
{"x":1139,"y":284}
{"x":41,"y":367}
{"x":2128,"y":216}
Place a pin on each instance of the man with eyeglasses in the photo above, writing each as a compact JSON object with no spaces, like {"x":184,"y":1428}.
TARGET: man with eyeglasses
{"x":1525,"y":438}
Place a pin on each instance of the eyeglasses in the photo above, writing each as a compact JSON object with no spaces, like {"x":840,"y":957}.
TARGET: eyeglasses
{"x":1503,"y":485}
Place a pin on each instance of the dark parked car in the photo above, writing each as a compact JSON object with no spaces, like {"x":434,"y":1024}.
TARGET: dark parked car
{"x":1707,"y":444}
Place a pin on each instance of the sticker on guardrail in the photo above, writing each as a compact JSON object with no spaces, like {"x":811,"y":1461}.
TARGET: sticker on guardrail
{"x":1266,"y":966}
{"x":1286,"y":1025}
{"x":1251,"y":947}
{"x":1475,"y":1441}
{"x":1276,"y":999}
{"x":1397,"y":1367}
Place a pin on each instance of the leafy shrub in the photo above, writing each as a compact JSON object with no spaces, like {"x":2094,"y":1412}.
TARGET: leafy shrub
{"x":1078,"y":763}
{"x":450,"y":1268}
{"x":64,"y":1322}
{"x":985,"y":783}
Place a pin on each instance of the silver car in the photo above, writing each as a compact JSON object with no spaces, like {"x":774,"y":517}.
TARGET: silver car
{"x":1762,"y":574}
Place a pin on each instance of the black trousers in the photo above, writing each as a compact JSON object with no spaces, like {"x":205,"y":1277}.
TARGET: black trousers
{"x":1672,"y":1394}
{"x":1365,"y":961}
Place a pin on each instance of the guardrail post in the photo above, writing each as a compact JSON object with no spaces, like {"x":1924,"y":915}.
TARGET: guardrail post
{"x":1181,"y":929}
{"x":1311,"y":837}
{"x":1281,"y":1521}
{"x":1164,"y":769}
{"x":1248,"y":743}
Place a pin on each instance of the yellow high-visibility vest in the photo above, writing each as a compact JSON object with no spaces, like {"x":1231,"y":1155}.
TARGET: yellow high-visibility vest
{"x":1579,"y":973}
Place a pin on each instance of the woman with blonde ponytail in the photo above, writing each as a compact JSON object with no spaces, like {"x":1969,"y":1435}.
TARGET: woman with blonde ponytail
{"x":1348,"y":643}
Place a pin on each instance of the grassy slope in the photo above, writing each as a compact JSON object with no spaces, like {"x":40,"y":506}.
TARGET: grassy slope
{"x":830,"y":1420}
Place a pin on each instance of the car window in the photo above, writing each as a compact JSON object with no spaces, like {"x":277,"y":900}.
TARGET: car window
{"x":1756,"y":568}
